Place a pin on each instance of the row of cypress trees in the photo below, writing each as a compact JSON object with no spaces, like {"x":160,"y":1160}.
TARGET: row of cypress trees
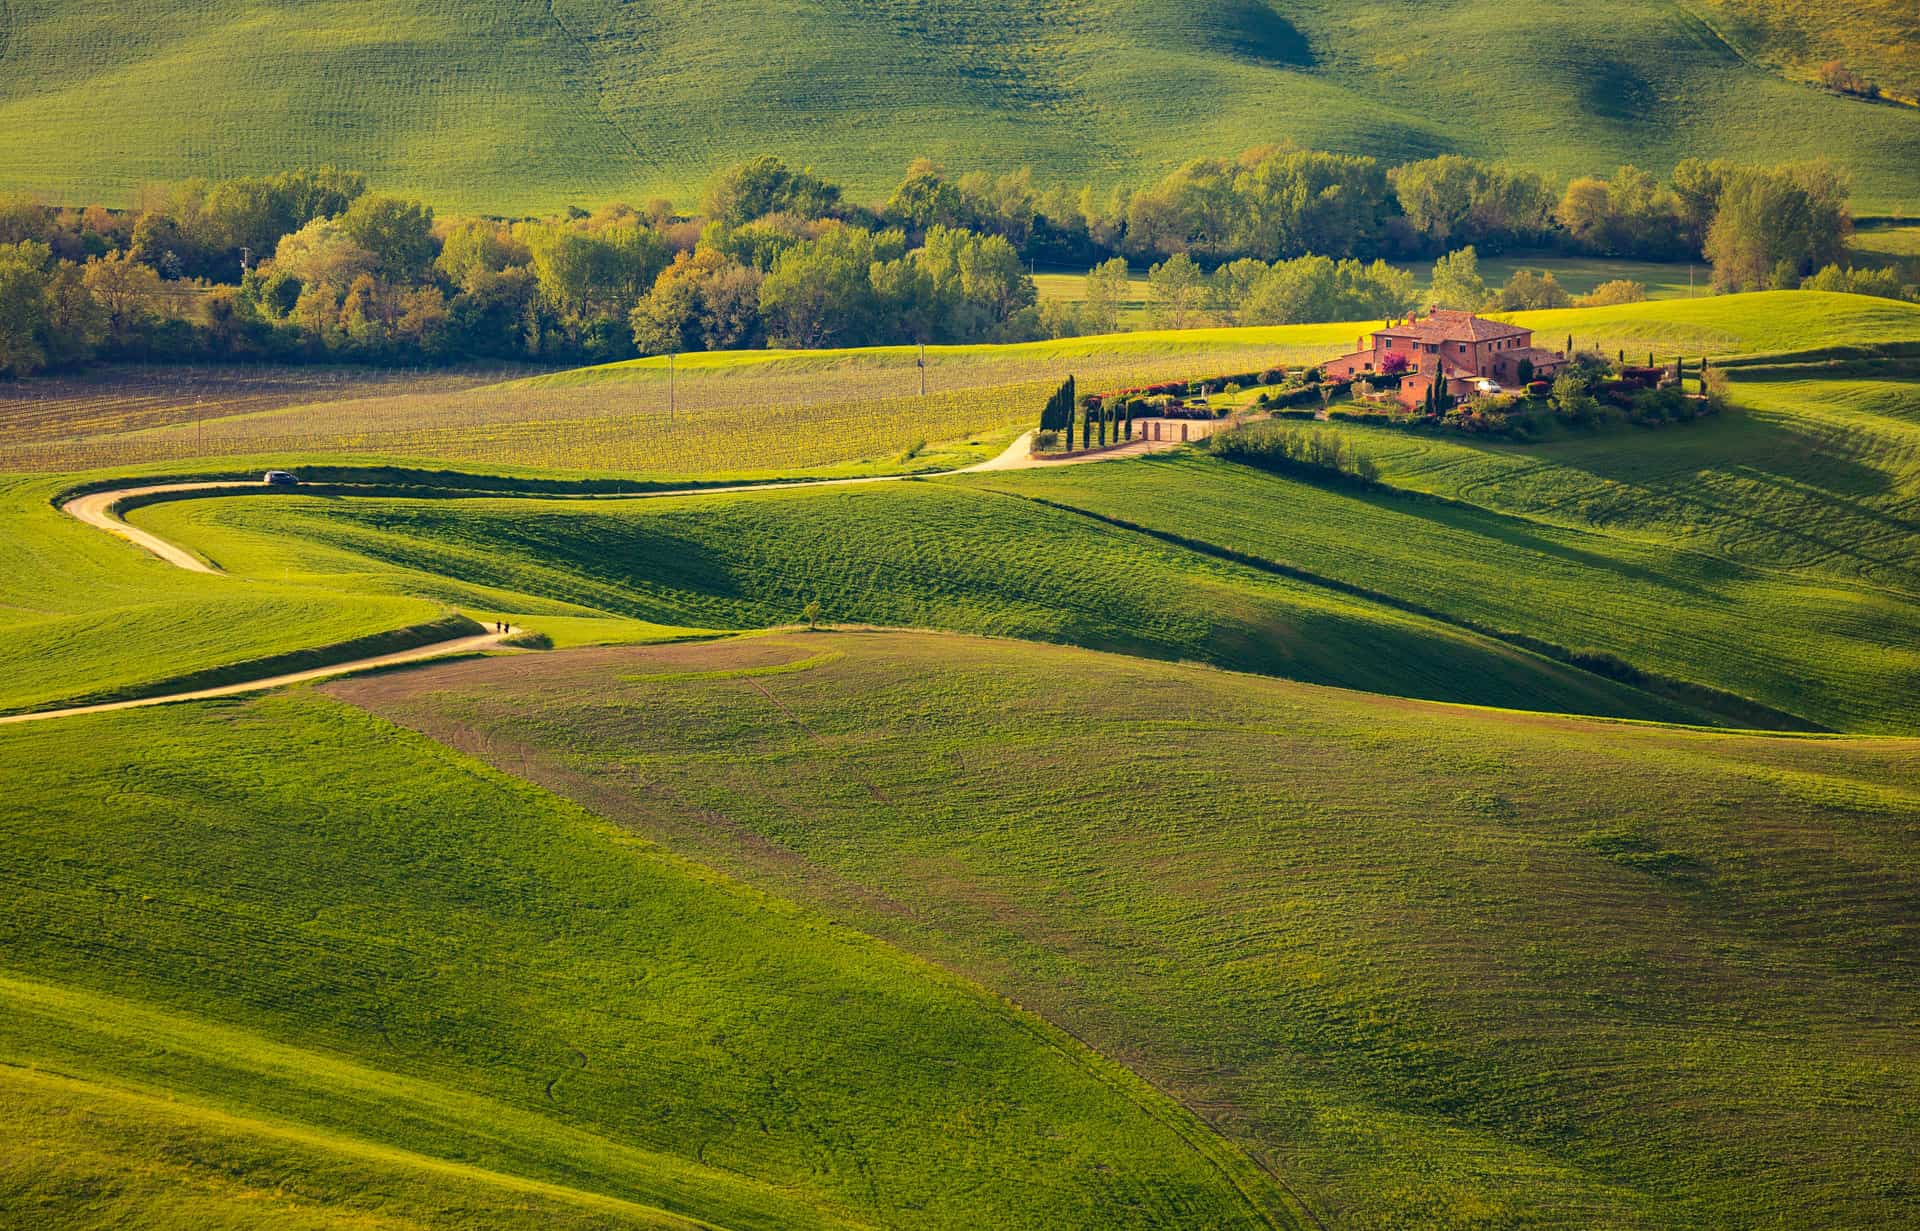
{"x":1094,"y":415}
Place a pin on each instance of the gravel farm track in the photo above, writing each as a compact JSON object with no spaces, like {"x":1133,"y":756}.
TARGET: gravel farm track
{"x":101,"y":509}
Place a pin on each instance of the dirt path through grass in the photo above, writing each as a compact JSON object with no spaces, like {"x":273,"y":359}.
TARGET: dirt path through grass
{"x":439,"y":649}
{"x":101,"y":509}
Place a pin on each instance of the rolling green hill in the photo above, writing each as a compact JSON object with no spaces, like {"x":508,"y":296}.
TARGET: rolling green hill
{"x":1877,"y":38}
{"x":276,"y":963}
{"x":1764,"y":557}
{"x":875,"y":928}
{"x":530,"y":105}
{"x":1441,"y":968}
{"x":758,"y":413}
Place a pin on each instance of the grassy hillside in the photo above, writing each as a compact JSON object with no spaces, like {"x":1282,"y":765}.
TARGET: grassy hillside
{"x":242,"y":989}
{"x":835,"y":411}
{"x":84,"y":614}
{"x":1785,"y":533}
{"x":1441,"y":968}
{"x":526,"y":105}
{"x":1578,"y":275}
{"x":1878,"y":38}
{"x":1770,"y":553}
{"x":902,"y":554}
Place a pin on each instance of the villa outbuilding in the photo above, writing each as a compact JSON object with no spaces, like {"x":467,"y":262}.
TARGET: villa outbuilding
{"x":1470,"y":355}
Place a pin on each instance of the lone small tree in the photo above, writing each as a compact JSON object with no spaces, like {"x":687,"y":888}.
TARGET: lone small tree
{"x":811,"y":613}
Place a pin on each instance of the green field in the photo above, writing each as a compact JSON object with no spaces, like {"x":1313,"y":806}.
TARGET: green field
{"x":1887,"y":245}
{"x":1524,"y":842}
{"x":1624,"y":516}
{"x":765,"y":413}
{"x":532,"y":106}
{"x":423,"y":994}
{"x":1439,"y":968}
{"x":1579,"y":275}
{"x":1879,"y":39}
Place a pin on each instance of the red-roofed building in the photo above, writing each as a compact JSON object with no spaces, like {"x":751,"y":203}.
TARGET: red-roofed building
{"x":1471,"y":354}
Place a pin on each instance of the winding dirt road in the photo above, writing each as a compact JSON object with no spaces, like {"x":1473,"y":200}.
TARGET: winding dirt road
{"x":102,"y":511}
{"x":439,"y":649}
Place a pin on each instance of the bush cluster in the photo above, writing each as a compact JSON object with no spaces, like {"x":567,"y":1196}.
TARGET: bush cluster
{"x":1291,"y":450}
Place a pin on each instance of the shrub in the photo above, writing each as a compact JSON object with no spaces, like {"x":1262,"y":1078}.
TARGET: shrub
{"x":1529,"y":290}
{"x":1884,"y":283}
{"x":1618,"y":291}
{"x":1395,"y":364}
{"x":1273,"y":376}
{"x":1837,"y":77}
{"x":1044,"y":440}
{"x":1290,"y":450}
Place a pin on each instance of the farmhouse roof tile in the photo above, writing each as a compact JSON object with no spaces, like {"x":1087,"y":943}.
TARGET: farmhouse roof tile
{"x":1448,"y":325}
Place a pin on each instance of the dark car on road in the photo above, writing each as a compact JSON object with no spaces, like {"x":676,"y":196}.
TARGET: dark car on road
{"x":280,"y":478}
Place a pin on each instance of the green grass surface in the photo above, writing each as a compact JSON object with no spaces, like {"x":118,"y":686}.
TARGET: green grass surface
{"x":1886,"y":245}
{"x":1769,"y":553}
{"x":1878,"y":38}
{"x":524,"y":105}
{"x":1578,"y":275}
{"x":1819,"y":477}
{"x":245,"y":988}
{"x":914,"y":554}
{"x":1440,"y":968}
{"x":1035,"y":936}
{"x":761,"y":413}
{"x":86,"y":615}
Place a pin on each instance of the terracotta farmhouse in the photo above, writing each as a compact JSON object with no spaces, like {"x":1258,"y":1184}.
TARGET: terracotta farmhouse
{"x":1471,"y":355}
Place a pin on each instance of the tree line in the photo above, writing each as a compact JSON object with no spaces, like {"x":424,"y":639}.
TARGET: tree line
{"x":315,"y":264}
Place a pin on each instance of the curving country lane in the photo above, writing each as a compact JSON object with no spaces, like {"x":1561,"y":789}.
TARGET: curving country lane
{"x":101,"y":510}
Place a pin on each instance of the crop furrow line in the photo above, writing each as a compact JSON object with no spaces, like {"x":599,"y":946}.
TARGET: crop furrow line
{"x":1732,"y":707}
